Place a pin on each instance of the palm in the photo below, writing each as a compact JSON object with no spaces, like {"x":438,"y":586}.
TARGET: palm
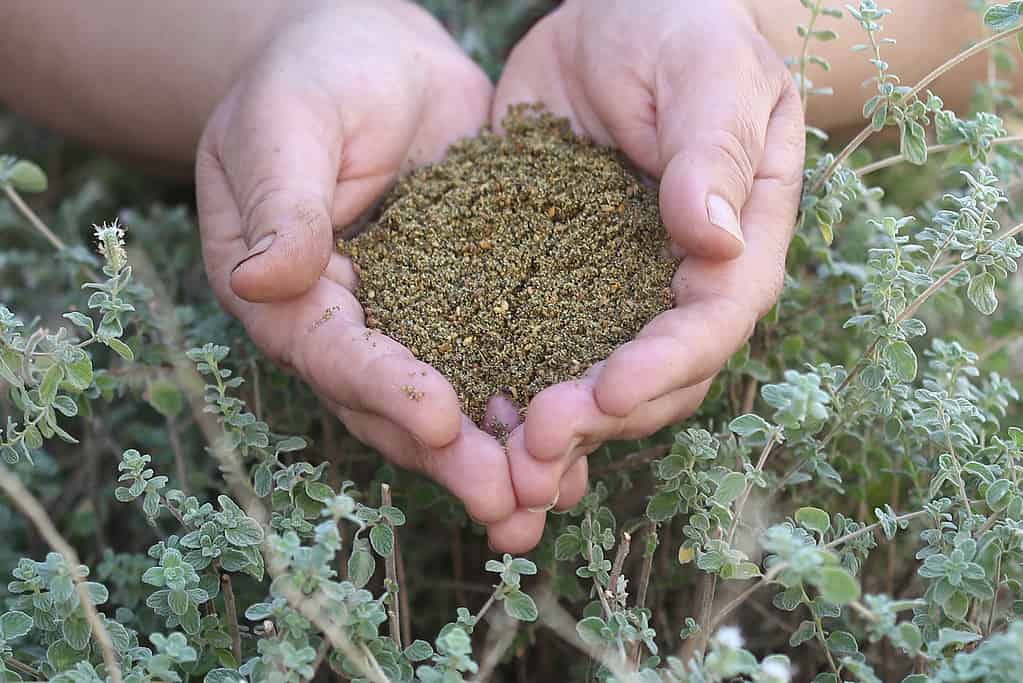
{"x":307,"y":140}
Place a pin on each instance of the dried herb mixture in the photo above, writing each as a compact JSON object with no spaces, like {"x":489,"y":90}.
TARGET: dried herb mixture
{"x":517,"y":262}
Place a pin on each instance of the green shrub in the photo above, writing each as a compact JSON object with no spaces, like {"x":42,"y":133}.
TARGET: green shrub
{"x":849,"y":494}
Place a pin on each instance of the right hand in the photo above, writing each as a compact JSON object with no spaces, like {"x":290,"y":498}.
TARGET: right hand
{"x":341,"y":99}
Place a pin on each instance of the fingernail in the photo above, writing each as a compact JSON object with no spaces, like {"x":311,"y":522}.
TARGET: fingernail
{"x":723,"y":215}
{"x":258,"y":248}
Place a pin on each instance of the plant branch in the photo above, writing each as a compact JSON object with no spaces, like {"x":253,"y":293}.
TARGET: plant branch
{"x":36,"y":222}
{"x":231,"y":616}
{"x":616,"y":569}
{"x":30,"y":507}
{"x":393,"y":608}
{"x":24,"y":668}
{"x":915,"y":305}
{"x":862,"y":136}
{"x":887,"y":162}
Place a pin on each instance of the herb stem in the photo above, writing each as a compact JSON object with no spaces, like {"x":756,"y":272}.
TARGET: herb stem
{"x":393,"y":607}
{"x":231,"y":616}
{"x":30,"y":507}
{"x":887,"y":162}
{"x":862,"y":136}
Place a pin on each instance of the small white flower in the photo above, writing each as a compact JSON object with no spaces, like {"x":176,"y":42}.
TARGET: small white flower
{"x":110,"y":244}
{"x":775,"y":671}
{"x":729,"y":636}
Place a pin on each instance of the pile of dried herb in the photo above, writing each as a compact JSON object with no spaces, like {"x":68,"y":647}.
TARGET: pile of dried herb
{"x":517,"y":262}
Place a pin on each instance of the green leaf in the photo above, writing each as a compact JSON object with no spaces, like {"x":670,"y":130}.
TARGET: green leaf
{"x":981,"y":292}
{"x":14,"y":625}
{"x":248,"y":532}
{"x":748,"y":425}
{"x":662,"y":506}
{"x":178,"y":602}
{"x":262,"y":481}
{"x":806,"y":631}
{"x":76,"y":632}
{"x":120,"y":348}
{"x":521,"y":565}
{"x":62,"y":656}
{"x":26,"y":176}
{"x":319,"y":491}
{"x":741,"y":571}
{"x":520,"y":606}
{"x":165,"y":397}
{"x":913,"y":143}
{"x":361,"y":565}
{"x":66,"y":406}
{"x":395,"y":516}
{"x":382,"y":539}
{"x":292,"y":443}
{"x":731,"y":487}
{"x":827,"y":232}
{"x":956,"y":605}
{"x":837,"y":585}
{"x":814,"y":519}
{"x":590,"y":630}
{"x":1001,"y":17}
{"x":190,"y":620}
{"x":843,"y":643}
{"x":997,"y":495}
{"x":902,"y":360}
{"x":79,"y":372}
{"x":418,"y":651}
{"x":51,"y":381}
{"x":568,"y":546}
{"x":223,"y":676}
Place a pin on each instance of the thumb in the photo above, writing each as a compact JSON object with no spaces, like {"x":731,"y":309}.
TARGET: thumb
{"x":280,"y":152}
{"x":711,"y":140}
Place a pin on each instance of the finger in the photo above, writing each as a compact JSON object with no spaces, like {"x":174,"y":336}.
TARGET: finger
{"x":341,"y":270}
{"x":322,"y":336}
{"x":573,"y":485}
{"x":679,"y":348}
{"x":367,"y":371}
{"x":538,"y":471}
{"x":501,"y":415}
{"x":473,"y":467}
{"x":537,"y":481}
{"x":280,"y":147}
{"x":713,"y":147}
{"x":519,"y":533}
{"x":717,"y":303}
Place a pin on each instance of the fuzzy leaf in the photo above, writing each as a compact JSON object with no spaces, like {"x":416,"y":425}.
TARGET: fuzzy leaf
{"x":981,"y":293}
{"x":361,"y":565}
{"x":814,"y":519}
{"x":520,"y":606}
{"x":14,"y":625}
{"x":902,"y":359}
{"x":837,"y":585}
{"x":382,"y":539}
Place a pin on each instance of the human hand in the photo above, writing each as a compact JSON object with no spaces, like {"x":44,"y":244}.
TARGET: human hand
{"x":695,"y":96}
{"x":341,"y":99}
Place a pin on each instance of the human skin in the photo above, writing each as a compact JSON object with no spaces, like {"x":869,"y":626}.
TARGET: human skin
{"x":311,"y":108}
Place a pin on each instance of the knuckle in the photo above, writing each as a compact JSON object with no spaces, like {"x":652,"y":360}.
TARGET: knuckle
{"x":732,"y":148}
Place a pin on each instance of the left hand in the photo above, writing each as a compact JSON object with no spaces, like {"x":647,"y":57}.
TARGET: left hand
{"x":695,"y":96}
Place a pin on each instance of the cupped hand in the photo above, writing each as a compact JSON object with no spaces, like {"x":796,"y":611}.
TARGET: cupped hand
{"x":695,"y":96}
{"x":342,"y":99}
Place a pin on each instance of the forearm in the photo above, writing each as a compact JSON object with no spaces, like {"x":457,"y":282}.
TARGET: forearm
{"x":138,"y":77}
{"x":928,"y":33}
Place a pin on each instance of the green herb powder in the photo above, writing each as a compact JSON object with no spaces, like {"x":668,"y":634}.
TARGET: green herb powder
{"x":517,"y":262}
